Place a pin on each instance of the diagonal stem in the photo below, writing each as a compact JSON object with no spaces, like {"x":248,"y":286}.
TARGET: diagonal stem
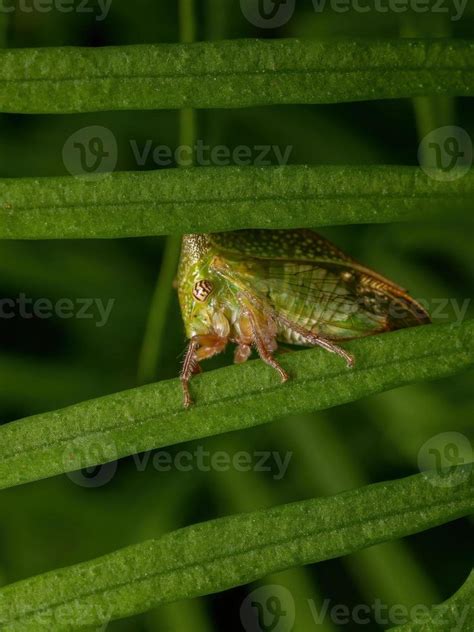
{"x":152,"y":346}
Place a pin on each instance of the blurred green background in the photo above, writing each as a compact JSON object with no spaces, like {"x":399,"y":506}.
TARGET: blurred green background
{"x":49,"y":363}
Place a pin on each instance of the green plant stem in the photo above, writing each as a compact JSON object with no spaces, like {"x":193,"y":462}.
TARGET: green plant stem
{"x":217,"y":20}
{"x":234,"y":73}
{"x":152,"y":345}
{"x":213,"y":199}
{"x":220,"y":554}
{"x":187,"y":21}
{"x":232,"y":398}
{"x":158,"y":314}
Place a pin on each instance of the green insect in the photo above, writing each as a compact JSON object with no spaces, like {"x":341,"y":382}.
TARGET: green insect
{"x":257,"y":288}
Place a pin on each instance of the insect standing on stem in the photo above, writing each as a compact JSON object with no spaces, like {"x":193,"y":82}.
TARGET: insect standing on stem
{"x":256,"y":288}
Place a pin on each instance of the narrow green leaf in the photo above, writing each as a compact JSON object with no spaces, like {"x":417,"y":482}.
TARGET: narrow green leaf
{"x":232,"y":398}
{"x":240,"y":494}
{"x":187,"y":563}
{"x":327,"y":464}
{"x":456,"y":614}
{"x":212,"y":199}
{"x":233,"y":73}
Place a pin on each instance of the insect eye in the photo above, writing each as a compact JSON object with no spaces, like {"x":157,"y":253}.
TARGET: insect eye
{"x":202,"y":289}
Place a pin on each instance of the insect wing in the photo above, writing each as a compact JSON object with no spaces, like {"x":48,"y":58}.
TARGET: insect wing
{"x":281,"y":245}
{"x":315,"y":285}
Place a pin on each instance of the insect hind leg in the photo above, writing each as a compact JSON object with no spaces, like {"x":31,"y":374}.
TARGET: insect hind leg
{"x":318,"y":341}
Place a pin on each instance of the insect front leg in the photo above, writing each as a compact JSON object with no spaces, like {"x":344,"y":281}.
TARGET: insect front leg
{"x":199,"y":348}
{"x":260,"y":317}
{"x":265,"y":342}
{"x":190,"y":366}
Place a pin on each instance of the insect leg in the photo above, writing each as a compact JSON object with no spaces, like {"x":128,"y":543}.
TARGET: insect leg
{"x":245,"y":298}
{"x":317,"y":341}
{"x":199,"y":348}
{"x":190,"y":365}
{"x":312,"y":338}
{"x":262,"y":348}
{"x":242,"y":353}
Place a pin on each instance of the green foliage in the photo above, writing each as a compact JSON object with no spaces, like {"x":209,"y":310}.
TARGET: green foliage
{"x":231,"y":74}
{"x":212,"y":199}
{"x":233,"y":398}
{"x":186,"y":563}
{"x":53,"y":524}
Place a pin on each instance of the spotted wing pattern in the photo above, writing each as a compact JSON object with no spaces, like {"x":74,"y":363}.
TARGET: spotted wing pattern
{"x":310,"y":282}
